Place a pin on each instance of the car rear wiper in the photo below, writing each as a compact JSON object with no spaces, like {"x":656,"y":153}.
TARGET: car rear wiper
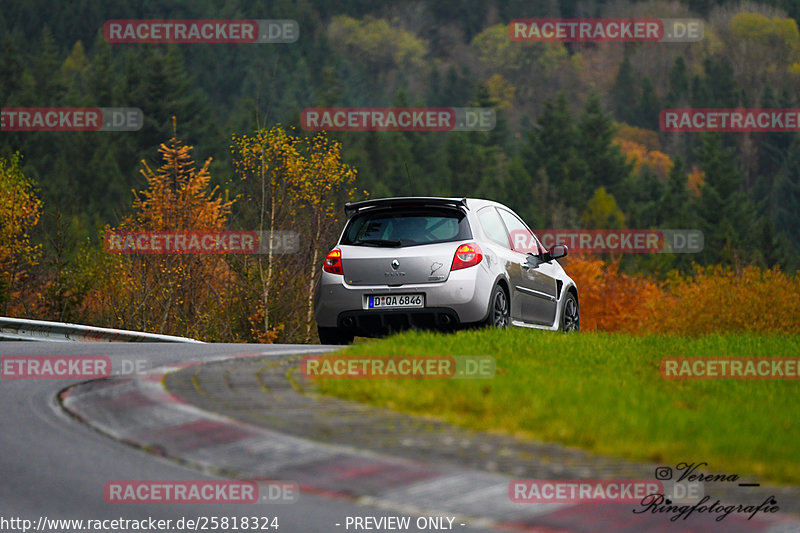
{"x":389,"y":243}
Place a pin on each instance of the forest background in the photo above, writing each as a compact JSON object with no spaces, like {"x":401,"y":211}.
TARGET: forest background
{"x":576,"y":145}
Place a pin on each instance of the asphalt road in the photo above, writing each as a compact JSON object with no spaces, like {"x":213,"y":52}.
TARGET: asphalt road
{"x":54,"y":467}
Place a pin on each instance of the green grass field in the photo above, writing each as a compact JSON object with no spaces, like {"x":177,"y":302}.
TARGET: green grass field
{"x":604,"y":393}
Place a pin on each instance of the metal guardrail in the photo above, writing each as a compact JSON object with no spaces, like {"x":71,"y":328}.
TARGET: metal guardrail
{"x":21,"y":329}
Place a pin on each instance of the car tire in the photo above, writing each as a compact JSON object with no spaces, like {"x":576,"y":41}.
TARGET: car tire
{"x":570,"y":316}
{"x":499,"y":309}
{"x":334,"y":336}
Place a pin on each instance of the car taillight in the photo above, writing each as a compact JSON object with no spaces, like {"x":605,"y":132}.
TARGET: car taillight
{"x":466,"y":256}
{"x":333,"y":262}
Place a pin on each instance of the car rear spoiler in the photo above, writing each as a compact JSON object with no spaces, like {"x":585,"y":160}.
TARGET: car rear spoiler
{"x":350,"y":208}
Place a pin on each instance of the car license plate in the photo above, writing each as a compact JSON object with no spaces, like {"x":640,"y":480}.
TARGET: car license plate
{"x":395,"y":300}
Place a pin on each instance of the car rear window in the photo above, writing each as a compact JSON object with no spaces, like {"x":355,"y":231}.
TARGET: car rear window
{"x":406,"y":227}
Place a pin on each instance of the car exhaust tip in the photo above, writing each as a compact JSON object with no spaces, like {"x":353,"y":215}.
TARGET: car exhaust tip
{"x":445,"y":320}
{"x":348,"y":322}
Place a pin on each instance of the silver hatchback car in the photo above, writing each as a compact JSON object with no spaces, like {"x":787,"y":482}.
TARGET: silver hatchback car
{"x":439,"y":263}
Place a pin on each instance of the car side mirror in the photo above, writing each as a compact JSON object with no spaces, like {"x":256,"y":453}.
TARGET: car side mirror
{"x":556,"y":252}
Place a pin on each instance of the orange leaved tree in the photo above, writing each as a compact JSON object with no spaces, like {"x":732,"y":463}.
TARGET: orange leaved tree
{"x":609,"y":299}
{"x":711,"y":300}
{"x":177,"y":294}
{"x":716,"y":299}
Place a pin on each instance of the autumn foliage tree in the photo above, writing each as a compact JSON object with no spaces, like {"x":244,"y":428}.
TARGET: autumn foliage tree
{"x":709,"y":300}
{"x":610,"y":300}
{"x":20,"y":208}
{"x":178,"y":294}
{"x":299,"y":184}
{"x":718,"y":299}
{"x":326,"y":179}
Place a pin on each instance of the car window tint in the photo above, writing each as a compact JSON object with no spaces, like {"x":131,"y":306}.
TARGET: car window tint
{"x":520,"y":234}
{"x":410,"y":227}
{"x":444,"y":228}
{"x":492,"y":226}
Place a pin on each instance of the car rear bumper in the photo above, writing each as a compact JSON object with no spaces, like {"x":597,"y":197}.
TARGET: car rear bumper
{"x":462,"y":299}
{"x":367,"y":323}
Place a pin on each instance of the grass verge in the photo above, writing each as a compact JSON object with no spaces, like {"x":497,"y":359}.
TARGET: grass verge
{"x":604,"y":393}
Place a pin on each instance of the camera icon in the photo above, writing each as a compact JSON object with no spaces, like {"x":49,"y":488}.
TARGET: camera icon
{"x":663,"y":473}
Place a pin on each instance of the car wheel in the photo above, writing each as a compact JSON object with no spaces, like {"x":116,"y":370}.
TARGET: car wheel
{"x":570,"y":318}
{"x":334,"y":336}
{"x":499,"y":310}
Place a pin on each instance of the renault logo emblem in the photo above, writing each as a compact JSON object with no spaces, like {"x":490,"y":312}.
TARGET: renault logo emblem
{"x":395,"y":264}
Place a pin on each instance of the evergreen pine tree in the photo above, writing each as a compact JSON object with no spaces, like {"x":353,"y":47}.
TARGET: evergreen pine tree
{"x":726,"y":216}
{"x":11,"y":69}
{"x":787,"y":197}
{"x":649,"y":106}
{"x":606,"y":165}
{"x":624,"y":92}
{"x":673,"y":208}
{"x":678,"y":84}
{"x":553,"y":142}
